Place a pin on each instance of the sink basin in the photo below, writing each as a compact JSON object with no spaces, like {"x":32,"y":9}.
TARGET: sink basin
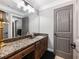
{"x":39,"y":37}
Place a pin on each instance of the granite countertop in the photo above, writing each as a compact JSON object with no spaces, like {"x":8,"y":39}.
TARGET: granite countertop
{"x":16,"y":45}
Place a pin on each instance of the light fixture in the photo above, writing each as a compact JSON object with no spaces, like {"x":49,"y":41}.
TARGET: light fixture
{"x":20,"y":4}
{"x":29,"y":9}
{"x":26,"y":6}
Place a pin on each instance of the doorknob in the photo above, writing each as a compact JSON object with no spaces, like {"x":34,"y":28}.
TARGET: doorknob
{"x":73,"y":45}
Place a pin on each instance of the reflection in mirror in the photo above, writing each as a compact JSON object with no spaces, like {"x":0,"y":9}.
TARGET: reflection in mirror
{"x":17,"y":18}
{"x":15,"y":27}
{"x":5,"y":31}
{"x":5,"y":26}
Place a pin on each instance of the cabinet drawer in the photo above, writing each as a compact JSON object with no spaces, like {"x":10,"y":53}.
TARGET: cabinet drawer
{"x":28,"y":50}
{"x":38,"y":44}
{"x":21,"y":54}
{"x":17,"y":56}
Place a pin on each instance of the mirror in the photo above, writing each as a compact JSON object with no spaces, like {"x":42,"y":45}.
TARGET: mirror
{"x":5,"y":31}
{"x":17,"y":18}
{"x":16,"y":26}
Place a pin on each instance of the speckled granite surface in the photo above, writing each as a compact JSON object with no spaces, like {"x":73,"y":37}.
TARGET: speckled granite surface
{"x":16,"y":45}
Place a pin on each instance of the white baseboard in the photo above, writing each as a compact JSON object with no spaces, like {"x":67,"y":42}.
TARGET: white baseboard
{"x":58,"y":57}
{"x":51,"y":50}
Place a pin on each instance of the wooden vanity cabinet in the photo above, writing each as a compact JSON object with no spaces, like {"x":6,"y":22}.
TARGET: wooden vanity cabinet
{"x":44,"y":45}
{"x":39,"y":49}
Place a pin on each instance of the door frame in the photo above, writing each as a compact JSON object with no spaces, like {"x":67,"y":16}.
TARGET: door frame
{"x":75,"y":27}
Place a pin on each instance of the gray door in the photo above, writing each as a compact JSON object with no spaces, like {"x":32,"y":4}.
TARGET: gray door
{"x":63,"y":31}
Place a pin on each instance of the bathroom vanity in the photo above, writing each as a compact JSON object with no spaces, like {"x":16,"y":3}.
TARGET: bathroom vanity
{"x":25,"y":48}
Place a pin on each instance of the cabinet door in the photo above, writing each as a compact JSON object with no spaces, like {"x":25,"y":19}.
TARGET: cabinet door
{"x":42,"y":47}
{"x":46,"y":43}
{"x":37,"y":51}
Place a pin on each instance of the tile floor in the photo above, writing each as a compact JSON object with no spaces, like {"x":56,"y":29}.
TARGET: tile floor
{"x":50,"y":55}
{"x":47,"y":55}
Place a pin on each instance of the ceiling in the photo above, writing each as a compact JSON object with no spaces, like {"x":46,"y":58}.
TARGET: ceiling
{"x":35,"y":3}
{"x":39,"y":3}
{"x":10,"y":4}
